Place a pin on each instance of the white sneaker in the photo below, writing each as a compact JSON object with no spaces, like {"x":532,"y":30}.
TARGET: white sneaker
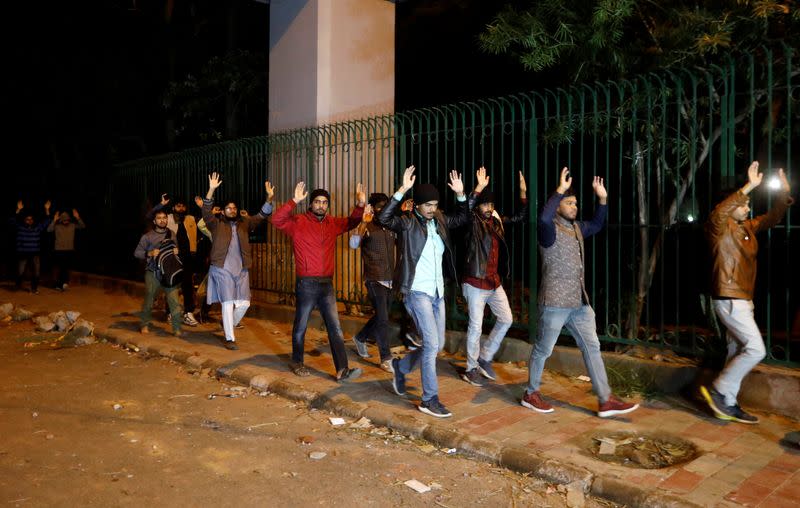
{"x":189,"y":320}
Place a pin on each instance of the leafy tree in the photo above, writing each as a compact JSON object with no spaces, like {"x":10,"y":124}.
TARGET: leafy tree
{"x":599,"y":40}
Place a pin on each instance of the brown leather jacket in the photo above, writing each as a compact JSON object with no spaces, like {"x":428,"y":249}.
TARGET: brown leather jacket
{"x":734,"y":247}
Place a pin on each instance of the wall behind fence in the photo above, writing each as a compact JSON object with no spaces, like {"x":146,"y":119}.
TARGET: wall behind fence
{"x":666,"y":144}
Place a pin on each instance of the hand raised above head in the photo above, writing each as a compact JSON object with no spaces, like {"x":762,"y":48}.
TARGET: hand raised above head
{"x":599,"y":188}
{"x":456,"y":184}
{"x":300,"y":192}
{"x":214,"y":180}
{"x":565,"y":181}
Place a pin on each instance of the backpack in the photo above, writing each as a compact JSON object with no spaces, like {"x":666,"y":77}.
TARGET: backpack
{"x":169,"y":269}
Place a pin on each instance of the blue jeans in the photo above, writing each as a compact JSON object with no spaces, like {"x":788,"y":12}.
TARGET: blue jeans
{"x":580,"y":321}
{"x":428,"y":314}
{"x":477,"y":299}
{"x":317,"y":292}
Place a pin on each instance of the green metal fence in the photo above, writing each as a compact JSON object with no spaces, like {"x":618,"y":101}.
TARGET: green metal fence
{"x":666,"y":144}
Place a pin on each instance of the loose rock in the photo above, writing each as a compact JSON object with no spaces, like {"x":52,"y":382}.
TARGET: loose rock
{"x":5,"y":310}
{"x":43,"y":324}
{"x":20,"y":314}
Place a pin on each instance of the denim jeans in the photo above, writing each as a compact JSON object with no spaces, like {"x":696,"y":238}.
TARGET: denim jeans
{"x":745,"y":345}
{"x":580,"y":321}
{"x":381,"y":298}
{"x":477,"y":299}
{"x":33,"y":261}
{"x":151,"y":288}
{"x":317,"y":292}
{"x":428,"y":314}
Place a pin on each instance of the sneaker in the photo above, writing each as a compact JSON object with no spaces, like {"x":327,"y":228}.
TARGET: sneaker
{"x":486,"y":370}
{"x":59,"y":289}
{"x":613,"y":406}
{"x":398,"y":379}
{"x":739,"y":415}
{"x":144,"y":330}
{"x":65,"y":287}
{"x":231,"y":345}
{"x":361,"y":348}
{"x":434,"y":408}
{"x":536,"y":402}
{"x":34,"y":291}
{"x":239,"y":325}
{"x":347,"y":374}
{"x":472,"y":377}
{"x":189,"y":320}
{"x":177,"y":333}
{"x":414,"y":340}
{"x":300,"y":370}
{"x":387,"y":366}
{"x":716,"y":401}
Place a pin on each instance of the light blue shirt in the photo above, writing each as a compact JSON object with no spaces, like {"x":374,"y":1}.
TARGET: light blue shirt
{"x":428,"y":275}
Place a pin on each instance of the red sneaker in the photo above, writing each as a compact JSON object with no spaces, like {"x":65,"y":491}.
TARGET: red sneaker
{"x":536,"y":402}
{"x":613,"y":406}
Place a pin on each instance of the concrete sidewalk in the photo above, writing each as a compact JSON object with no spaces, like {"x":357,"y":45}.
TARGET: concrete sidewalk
{"x":738,"y":465}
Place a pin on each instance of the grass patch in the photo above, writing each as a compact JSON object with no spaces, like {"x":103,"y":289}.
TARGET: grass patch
{"x":627,"y":380}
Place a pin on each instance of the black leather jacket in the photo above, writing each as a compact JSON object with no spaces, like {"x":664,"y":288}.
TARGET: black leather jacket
{"x":479,"y":242}
{"x":412,"y":234}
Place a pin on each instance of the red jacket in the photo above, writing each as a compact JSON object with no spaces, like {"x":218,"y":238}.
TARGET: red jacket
{"x":313,"y":240}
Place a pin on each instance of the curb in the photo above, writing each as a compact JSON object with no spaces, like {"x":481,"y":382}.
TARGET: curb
{"x":515,"y":458}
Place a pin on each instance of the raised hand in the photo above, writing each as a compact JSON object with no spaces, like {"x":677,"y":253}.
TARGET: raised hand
{"x":523,"y":187}
{"x":784,"y":181}
{"x":198,"y":201}
{"x":407,"y":205}
{"x":361,"y":196}
{"x":76,"y":214}
{"x":300,"y":192}
{"x":456,"y":183}
{"x":566,"y":181}
{"x":164,"y":199}
{"x":481,"y":179}
{"x":408,"y":179}
{"x":600,"y":189}
{"x":244,"y":213}
{"x":47,"y":206}
{"x":20,"y":205}
{"x":753,"y":176}
{"x":214,"y":181}
{"x":270,"y":190}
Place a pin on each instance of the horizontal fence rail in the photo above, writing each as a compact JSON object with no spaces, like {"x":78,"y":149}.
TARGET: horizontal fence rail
{"x":666,"y":143}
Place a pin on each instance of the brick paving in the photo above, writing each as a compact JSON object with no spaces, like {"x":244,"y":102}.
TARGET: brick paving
{"x":738,"y":465}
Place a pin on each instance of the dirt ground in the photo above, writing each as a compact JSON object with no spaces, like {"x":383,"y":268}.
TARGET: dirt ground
{"x":101,"y":426}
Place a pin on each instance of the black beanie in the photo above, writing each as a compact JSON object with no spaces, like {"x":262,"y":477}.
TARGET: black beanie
{"x":484,"y":197}
{"x":317,"y":193}
{"x":377,"y":197}
{"x":425,"y":192}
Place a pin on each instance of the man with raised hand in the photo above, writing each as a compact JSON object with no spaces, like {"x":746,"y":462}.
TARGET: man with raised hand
{"x":313,"y":236}
{"x":229,"y":273}
{"x":487,"y":259}
{"x":425,"y":257}
{"x":563,"y":300}
{"x":734,"y":255}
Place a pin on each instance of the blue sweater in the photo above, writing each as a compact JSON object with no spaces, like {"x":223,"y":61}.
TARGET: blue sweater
{"x":29,"y":239}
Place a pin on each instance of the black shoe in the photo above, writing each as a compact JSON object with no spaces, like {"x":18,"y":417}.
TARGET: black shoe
{"x":413,"y":340}
{"x":716,"y":401}
{"x":231,"y":345}
{"x":398,"y":379}
{"x":434,"y":408}
{"x":347,"y":374}
{"x":472,"y":377}
{"x":486,"y":369}
{"x":739,"y":415}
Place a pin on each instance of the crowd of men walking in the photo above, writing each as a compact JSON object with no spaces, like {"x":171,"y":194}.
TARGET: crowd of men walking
{"x":407,"y":251}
